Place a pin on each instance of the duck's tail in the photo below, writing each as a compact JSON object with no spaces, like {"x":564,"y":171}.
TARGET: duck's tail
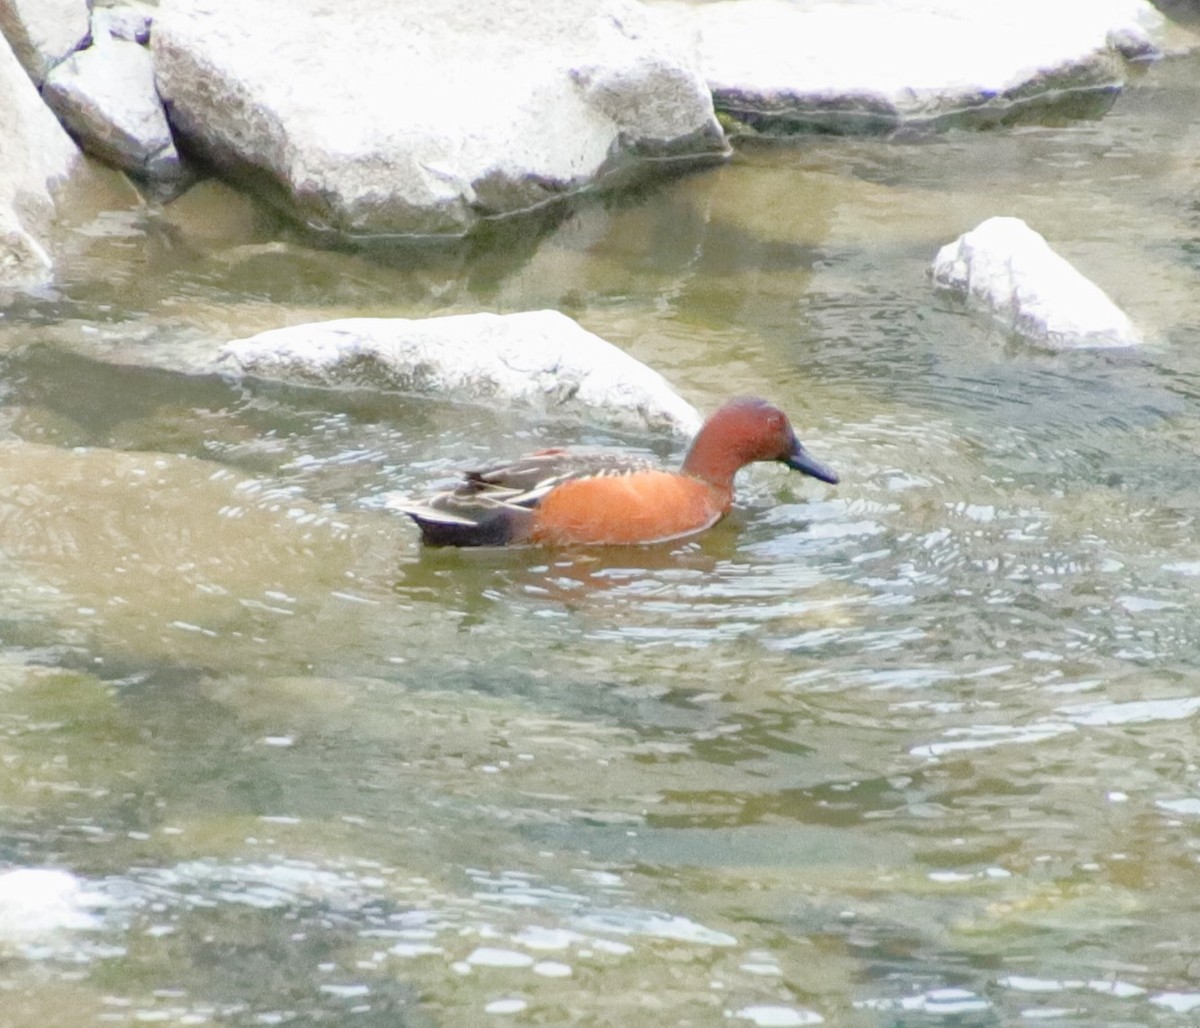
{"x":498,"y":525}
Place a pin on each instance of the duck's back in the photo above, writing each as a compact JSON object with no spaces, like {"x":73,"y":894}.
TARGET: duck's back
{"x":646,"y":506}
{"x":531,"y":477}
{"x":496,"y":505}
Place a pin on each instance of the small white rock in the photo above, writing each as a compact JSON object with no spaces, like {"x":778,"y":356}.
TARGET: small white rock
{"x":131,"y":22}
{"x":1010,"y":270}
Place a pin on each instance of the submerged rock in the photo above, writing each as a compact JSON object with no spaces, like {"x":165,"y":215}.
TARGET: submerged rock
{"x":540,"y":359}
{"x":44,"y":32}
{"x":1010,"y":270}
{"x":779,"y":67}
{"x":423,"y":117}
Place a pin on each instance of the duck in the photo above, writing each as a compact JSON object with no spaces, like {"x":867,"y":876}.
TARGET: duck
{"x":565,"y":497}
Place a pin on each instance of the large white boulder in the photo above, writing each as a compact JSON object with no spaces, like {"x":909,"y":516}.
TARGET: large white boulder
{"x":105,"y":95}
{"x":37,"y":155}
{"x":781,"y":66}
{"x":539,"y":359}
{"x":44,"y":32}
{"x":1010,"y":270}
{"x":422,"y":116}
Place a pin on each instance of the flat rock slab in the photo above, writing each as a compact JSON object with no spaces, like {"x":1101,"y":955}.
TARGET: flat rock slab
{"x":413,"y":118}
{"x":539,"y":359}
{"x":1009,"y":270}
{"x":786,"y":66}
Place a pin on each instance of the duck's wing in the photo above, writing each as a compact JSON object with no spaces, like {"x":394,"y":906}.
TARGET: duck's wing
{"x":494,"y":506}
{"x":525,"y":481}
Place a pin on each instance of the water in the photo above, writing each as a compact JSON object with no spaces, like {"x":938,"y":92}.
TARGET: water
{"x":917,"y":750}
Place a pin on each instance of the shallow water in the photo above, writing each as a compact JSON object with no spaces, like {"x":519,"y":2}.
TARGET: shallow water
{"x":915,"y":750}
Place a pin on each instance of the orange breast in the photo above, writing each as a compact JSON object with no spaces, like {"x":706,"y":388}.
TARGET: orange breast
{"x":643,"y":507}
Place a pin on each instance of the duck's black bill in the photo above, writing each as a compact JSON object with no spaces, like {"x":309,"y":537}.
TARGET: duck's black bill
{"x":801,"y":460}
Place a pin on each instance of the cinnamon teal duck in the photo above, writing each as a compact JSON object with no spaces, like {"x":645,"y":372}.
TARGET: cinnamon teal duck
{"x":561,"y":497}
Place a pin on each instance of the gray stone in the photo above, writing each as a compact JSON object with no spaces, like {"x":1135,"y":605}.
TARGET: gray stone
{"x":105,"y":95}
{"x":130,"y":22}
{"x":1188,"y":9}
{"x":542,"y":360}
{"x":421,"y":117}
{"x":38,"y":155}
{"x":44,"y":32}
{"x":781,"y":66}
{"x":24,"y":262}
{"x":1010,"y":271}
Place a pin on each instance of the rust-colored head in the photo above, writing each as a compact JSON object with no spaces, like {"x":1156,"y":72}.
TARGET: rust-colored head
{"x":743,"y":431}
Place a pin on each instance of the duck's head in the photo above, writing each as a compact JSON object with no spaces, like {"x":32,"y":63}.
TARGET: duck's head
{"x":746,"y":430}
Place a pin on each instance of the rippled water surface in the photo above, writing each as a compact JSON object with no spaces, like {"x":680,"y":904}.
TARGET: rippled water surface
{"x":919,"y":749}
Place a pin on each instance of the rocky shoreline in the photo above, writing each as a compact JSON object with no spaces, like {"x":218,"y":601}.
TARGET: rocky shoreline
{"x":370,"y":121}
{"x":403,"y":119}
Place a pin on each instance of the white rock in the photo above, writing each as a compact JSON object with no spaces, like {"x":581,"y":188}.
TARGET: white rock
{"x":38,"y":902}
{"x":43,"y":32}
{"x":105,"y":95}
{"x":24,"y":262}
{"x":422,"y":116}
{"x":38,"y":155}
{"x":130,"y":22}
{"x":37,"y":152}
{"x":1009,"y":269}
{"x":870,"y":65}
{"x":539,"y":359}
